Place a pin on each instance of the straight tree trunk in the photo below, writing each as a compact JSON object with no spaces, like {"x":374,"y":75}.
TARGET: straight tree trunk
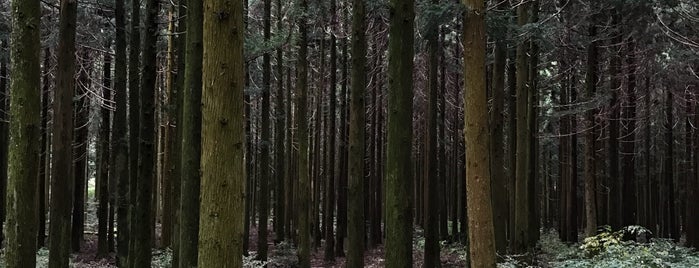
{"x":120,"y":137}
{"x":589,"y":149}
{"x":497,"y":146}
{"x":264,"y":156}
{"x":134,"y":80}
{"x":223,"y":137}
{"x":615,"y":194}
{"x":146,"y":147}
{"x":191,"y":137}
{"x":629,"y":195}
{"x":103,"y":156}
{"x":693,"y":191}
{"x":44,"y":162}
{"x":521,"y":223}
{"x":329,"y":211}
{"x":4,"y":138}
{"x":61,"y":188}
{"x":81,"y":111}
{"x":670,"y":226}
{"x":399,"y":182}
{"x":532,"y":121}
{"x":169,"y":131}
{"x":355,"y":185}
{"x":304,"y":186}
{"x":280,"y":136}
{"x":432,"y":190}
{"x":25,"y":132}
{"x":478,"y":178}
{"x":342,"y":172}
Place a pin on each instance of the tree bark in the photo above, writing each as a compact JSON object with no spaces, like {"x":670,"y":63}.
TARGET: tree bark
{"x":399,"y":182}
{"x":478,"y":178}
{"x":146,"y":147}
{"x":304,"y":186}
{"x":25,"y":123}
{"x":61,"y":188}
{"x":223,"y":137}
{"x":103,"y":154}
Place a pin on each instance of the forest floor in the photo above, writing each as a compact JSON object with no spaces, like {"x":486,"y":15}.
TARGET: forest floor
{"x":550,"y":253}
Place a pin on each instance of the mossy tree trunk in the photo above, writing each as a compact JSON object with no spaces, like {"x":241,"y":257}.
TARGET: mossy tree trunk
{"x":399,"y":179}
{"x":25,"y":123}
{"x":223,"y":136}
{"x":61,"y":186}
{"x":4,"y":135}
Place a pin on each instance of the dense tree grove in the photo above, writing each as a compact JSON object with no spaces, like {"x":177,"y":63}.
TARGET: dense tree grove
{"x":349,"y":133}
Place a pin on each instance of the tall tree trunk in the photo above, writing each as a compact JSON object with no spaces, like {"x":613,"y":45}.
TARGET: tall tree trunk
{"x":223,"y":135}
{"x":280,"y":136}
{"x":591,"y":79}
{"x":44,"y":161}
{"x":169,"y":117}
{"x":81,"y":111}
{"x":432,"y":190}
{"x":399,"y":182}
{"x":331,"y":157}
{"x":693,"y":189}
{"x":103,"y":154}
{"x":342,"y":171}
{"x":120,"y":137}
{"x":497,"y":146}
{"x":265,"y":142}
{"x":146,"y":147}
{"x":521,"y":235}
{"x":670,"y":226}
{"x":478,"y":178}
{"x":356,"y":179}
{"x":629,"y":196}
{"x":25,"y":132}
{"x":134,"y":122}
{"x":615,"y":194}
{"x":4,"y":137}
{"x":191,"y":137}
{"x":304,"y":185}
{"x":61,"y":188}
{"x":532,"y":117}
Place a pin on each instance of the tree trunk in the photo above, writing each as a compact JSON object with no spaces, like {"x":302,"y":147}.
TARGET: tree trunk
{"x":480,"y":221}
{"x":432,"y":190}
{"x":615,"y":194}
{"x":521,"y":235}
{"x":120,"y":137}
{"x":223,"y":136}
{"x":134,"y":123}
{"x":591,"y":79}
{"x":497,"y":146}
{"x":399,"y":182}
{"x":265,"y":142}
{"x":103,"y":154}
{"x":280,"y":136}
{"x":4,"y":138}
{"x":44,"y":161}
{"x":146,"y":148}
{"x":25,"y":123}
{"x":191,"y":137}
{"x":329,"y":212}
{"x":355,"y":190}
{"x":629,"y":196}
{"x":61,"y":188}
{"x":304,"y":185}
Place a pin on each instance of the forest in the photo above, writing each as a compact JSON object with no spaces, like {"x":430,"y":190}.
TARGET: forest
{"x":349,"y":133}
